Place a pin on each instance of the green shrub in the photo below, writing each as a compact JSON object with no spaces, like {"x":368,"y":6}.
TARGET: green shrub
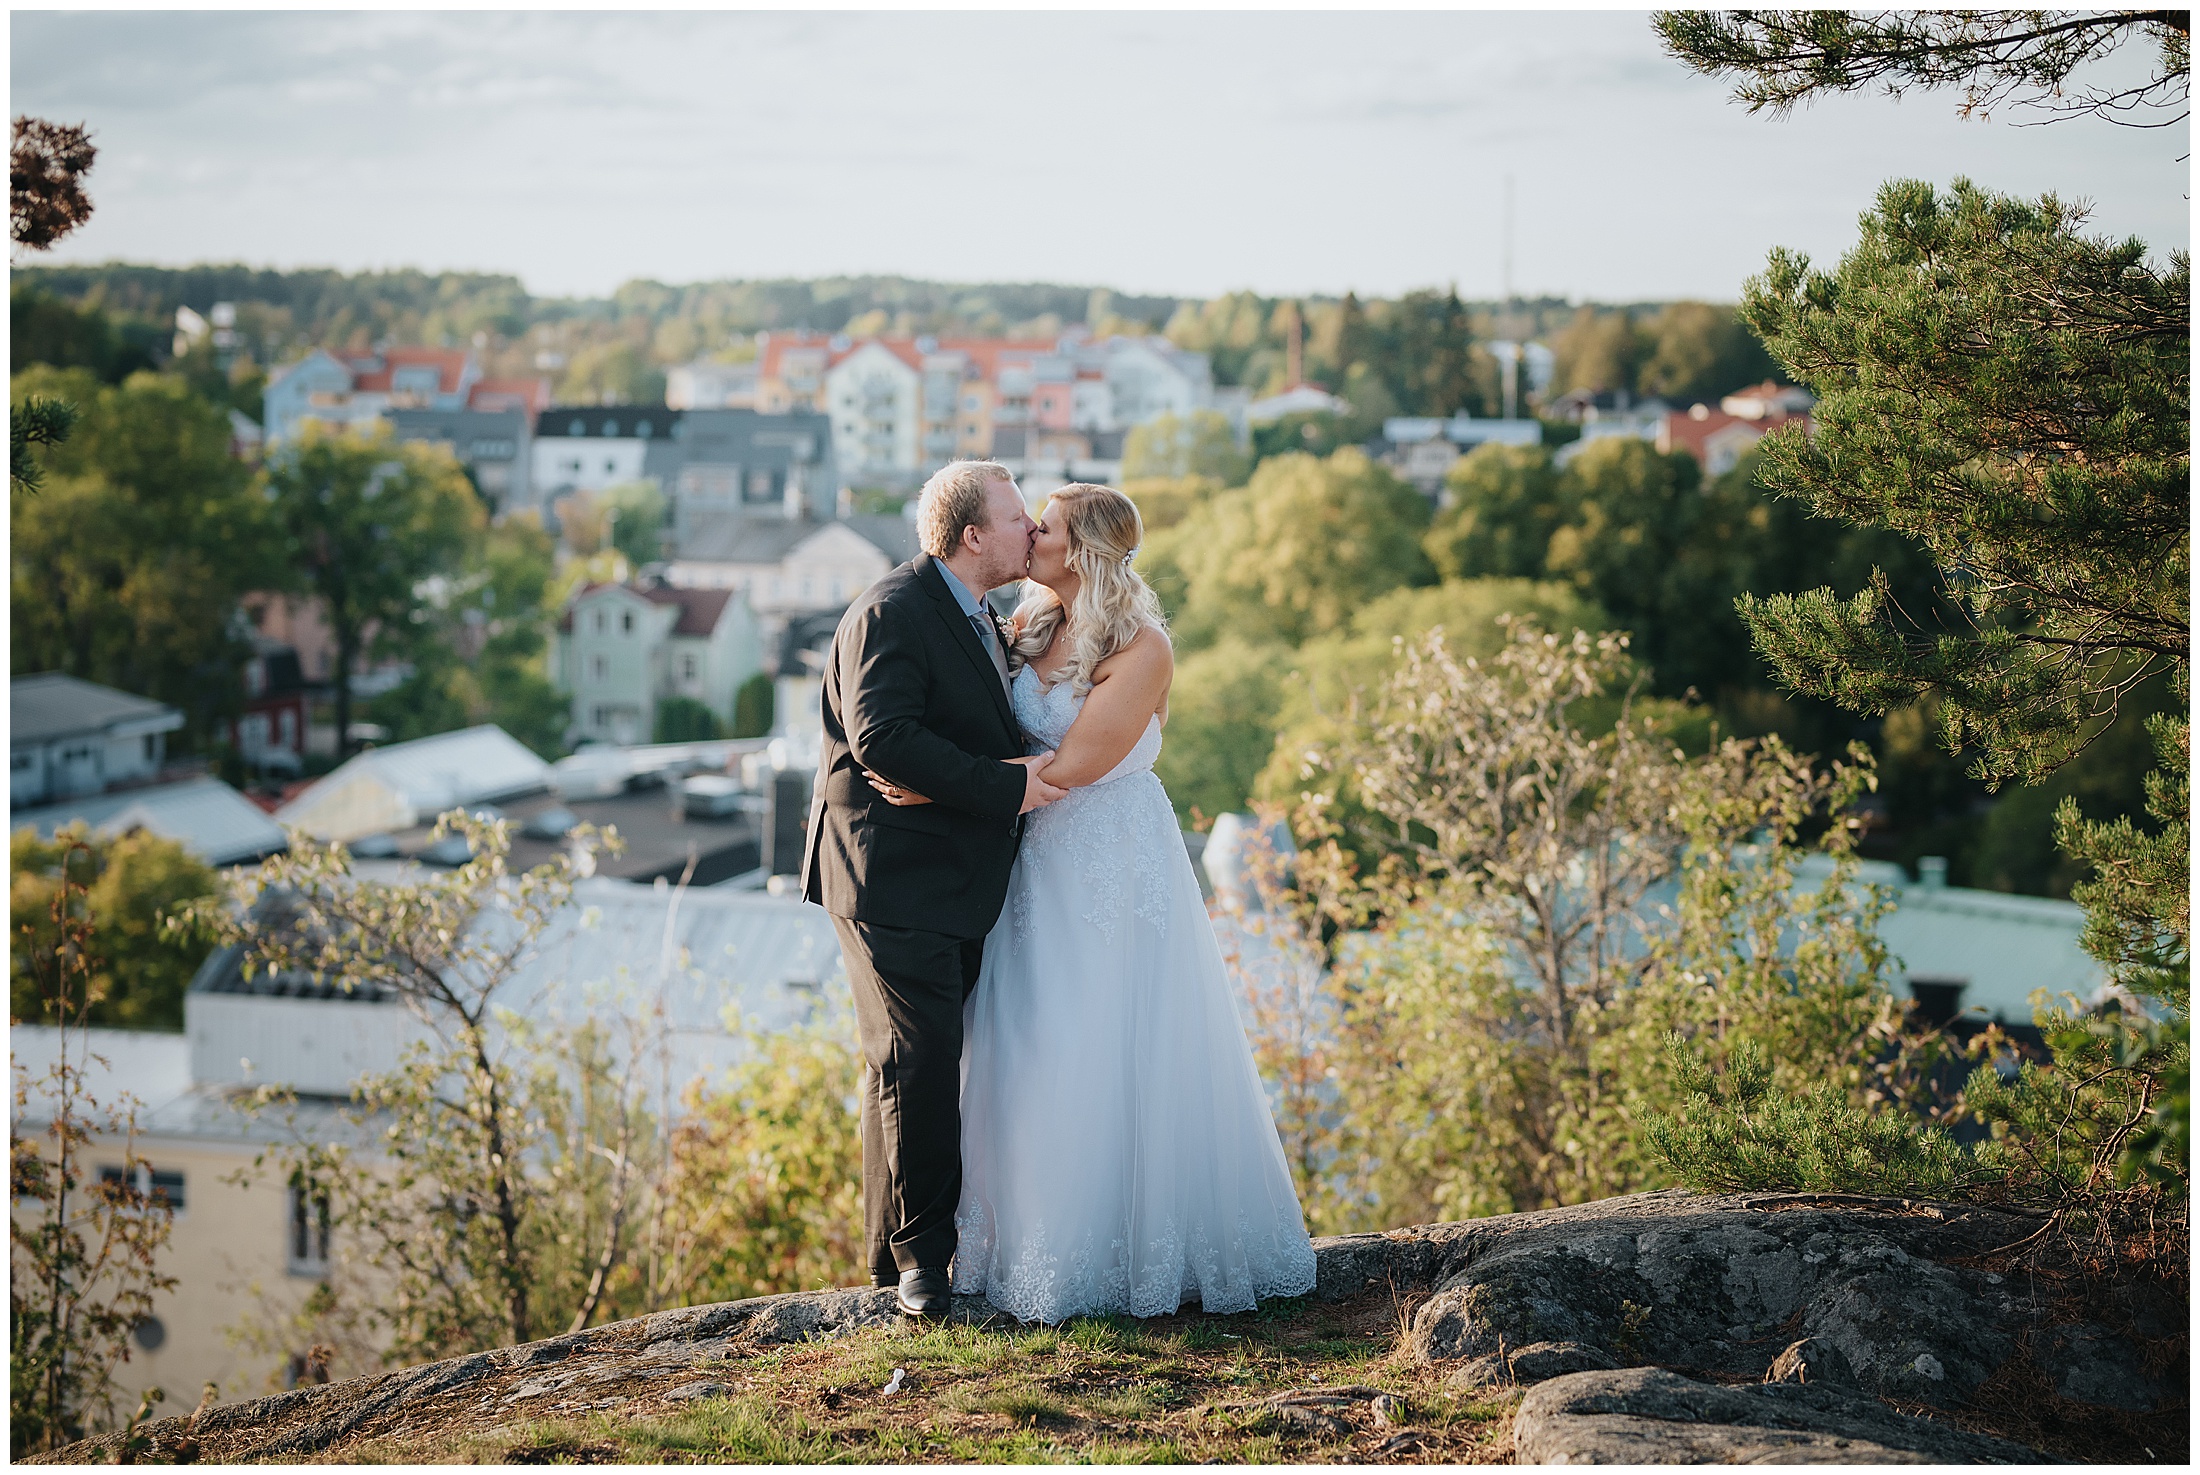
{"x":752,"y":706}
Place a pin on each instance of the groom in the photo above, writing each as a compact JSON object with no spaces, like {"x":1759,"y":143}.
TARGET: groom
{"x":917,"y":692}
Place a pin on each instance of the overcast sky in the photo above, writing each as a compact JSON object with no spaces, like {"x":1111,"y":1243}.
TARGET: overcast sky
{"x":1152,"y":152}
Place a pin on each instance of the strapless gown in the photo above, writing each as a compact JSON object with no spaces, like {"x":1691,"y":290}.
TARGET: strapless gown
{"x":1119,"y":1155}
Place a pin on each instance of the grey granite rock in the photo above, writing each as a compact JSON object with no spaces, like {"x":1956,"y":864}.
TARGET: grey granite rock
{"x":1723,"y":1289}
{"x":1648,"y":1416}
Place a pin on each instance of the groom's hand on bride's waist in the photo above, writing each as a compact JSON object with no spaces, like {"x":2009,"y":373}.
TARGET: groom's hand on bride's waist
{"x":1037,"y":791}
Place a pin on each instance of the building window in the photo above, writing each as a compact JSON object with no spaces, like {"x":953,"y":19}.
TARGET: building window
{"x":148,"y":747}
{"x":159,"y":1188}
{"x":687,"y":667}
{"x":308,"y":1250}
{"x":576,"y":428}
{"x":603,"y":622}
{"x":598,"y":668}
{"x":626,"y":622}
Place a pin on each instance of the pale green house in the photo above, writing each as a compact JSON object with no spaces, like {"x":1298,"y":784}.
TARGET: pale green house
{"x":621,"y":649}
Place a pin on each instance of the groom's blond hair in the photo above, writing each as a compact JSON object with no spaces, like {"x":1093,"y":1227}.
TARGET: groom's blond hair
{"x":954,"y":499}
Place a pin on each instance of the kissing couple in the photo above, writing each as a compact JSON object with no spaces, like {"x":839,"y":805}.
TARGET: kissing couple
{"x":1060,"y":1109}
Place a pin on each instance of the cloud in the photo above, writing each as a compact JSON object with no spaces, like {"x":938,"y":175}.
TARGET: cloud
{"x":1154,"y":151}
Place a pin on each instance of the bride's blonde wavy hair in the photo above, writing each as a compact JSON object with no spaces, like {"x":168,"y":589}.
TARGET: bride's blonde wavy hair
{"x":1113,"y":603}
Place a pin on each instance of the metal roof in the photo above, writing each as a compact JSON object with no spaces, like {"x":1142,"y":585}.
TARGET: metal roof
{"x":204,"y":815}
{"x":42,"y":708}
{"x":405,"y":784}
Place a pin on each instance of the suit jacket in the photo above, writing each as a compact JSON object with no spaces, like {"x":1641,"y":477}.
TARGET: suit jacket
{"x":911,"y":694}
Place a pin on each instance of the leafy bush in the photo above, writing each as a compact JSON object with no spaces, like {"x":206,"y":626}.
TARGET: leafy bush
{"x":120,"y":888}
{"x":752,"y":706}
{"x":685,"y":720}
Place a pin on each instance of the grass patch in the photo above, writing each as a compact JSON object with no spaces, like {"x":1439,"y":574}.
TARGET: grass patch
{"x":1175,"y":1390}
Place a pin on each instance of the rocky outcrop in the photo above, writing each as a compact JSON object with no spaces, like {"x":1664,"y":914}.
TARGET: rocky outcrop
{"x":1663,"y":1326}
{"x":1648,"y":1416}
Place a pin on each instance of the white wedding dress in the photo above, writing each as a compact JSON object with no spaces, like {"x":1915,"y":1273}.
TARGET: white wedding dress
{"x":1118,"y":1151}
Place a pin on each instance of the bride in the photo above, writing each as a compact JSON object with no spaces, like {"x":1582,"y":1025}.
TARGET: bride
{"x":1118,"y":1151}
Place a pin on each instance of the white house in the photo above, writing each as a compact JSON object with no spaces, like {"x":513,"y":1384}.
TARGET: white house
{"x":68,"y":737}
{"x":794,"y":568}
{"x":1151,"y":377}
{"x":621,"y":649}
{"x":875,"y":397}
{"x":587,"y":448}
{"x":1298,"y":399}
{"x":406,"y":784}
{"x":709,"y":385}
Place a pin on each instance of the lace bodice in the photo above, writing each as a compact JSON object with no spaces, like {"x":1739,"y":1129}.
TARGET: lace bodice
{"x":1046,"y":712}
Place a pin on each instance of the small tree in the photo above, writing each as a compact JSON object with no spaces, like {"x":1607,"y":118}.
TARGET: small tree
{"x":685,"y":720}
{"x":367,"y":521}
{"x":752,"y":706}
{"x":450,"y":1211}
{"x":84,"y":1254}
{"x":1500,"y":971}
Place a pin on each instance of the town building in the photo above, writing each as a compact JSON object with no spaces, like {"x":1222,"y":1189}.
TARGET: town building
{"x":79,"y":753}
{"x":589,"y":448}
{"x":709,"y":385}
{"x":68,"y":737}
{"x":387,"y":789}
{"x":1299,"y":399}
{"x":622,"y":649}
{"x":1718,"y":439}
{"x":785,"y":570}
{"x":1422,"y":449}
{"x":359,"y":390}
{"x":495,"y":447}
{"x":270,"y":734}
{"x":736,"y":463}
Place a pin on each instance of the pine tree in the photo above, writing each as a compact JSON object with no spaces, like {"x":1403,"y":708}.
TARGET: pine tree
{"x":1999,"y":58}
{"x":2015,"y":396}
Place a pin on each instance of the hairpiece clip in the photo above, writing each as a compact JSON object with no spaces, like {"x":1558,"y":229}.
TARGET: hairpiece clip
{"x":1128,"y":557}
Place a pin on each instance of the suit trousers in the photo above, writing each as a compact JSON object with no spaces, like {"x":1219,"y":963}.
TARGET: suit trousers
{"x":909,"y":988}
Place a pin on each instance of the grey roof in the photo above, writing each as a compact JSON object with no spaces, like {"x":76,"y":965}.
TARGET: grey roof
{"x":889,"y":532}
{"x":204,"y":815}
{"x":735,"y":539}
{"x":622,"y":422}
{"x":403,"y":784}
{"x":43,"y":708}
{"x":750,"y":437}
{"x":415,"y":424}
{"x":155,"y":1067}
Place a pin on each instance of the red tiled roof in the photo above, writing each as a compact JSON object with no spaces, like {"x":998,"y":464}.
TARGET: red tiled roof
{"x":531,"y":395}
{"x":776,"y":345}
{"x":700,"y":609}
{"x":449,"y":363}
{"x":1684,"y":432}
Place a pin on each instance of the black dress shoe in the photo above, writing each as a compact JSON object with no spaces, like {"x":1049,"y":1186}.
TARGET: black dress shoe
{"x":923,"y":1292}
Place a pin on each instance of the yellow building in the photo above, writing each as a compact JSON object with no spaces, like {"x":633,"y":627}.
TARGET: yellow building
{"x":244,"y":1250}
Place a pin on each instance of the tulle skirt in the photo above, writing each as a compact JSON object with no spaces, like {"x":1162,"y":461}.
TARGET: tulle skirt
{"x":1119,"y":1155}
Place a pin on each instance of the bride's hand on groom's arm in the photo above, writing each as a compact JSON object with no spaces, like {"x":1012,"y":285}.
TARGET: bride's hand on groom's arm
{"x":1037,"y":791}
